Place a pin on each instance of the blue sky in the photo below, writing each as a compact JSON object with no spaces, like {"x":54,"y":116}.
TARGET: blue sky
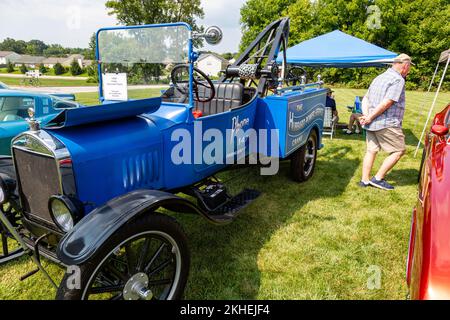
{"x":72,"y":22}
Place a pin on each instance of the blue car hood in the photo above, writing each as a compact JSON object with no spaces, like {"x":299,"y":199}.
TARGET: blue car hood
{"x":107,"y":112}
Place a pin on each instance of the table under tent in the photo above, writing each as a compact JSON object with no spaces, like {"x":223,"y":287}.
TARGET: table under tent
{"x":337,"y":49}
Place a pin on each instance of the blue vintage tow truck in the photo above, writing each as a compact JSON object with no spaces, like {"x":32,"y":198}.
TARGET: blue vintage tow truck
{"x":87,"y":190}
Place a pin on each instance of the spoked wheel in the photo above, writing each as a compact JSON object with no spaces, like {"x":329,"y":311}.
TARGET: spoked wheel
{"x":303,"y":161}
{"x":148,"y":259}
{"x":10,"y":249}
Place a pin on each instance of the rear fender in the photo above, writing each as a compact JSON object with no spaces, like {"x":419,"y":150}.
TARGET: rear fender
{"x":81,"y":243}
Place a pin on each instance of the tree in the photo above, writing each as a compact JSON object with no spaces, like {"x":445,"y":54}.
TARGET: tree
{"x":90,"y":54}
{"x":43,"y":69}
{"x":418,"y":28}
{"x":56,"y":50}
{"x":36,"y":47}
{"x":10,"y":67}
{"x":59,"y":69}
{"x":75,"y":68}
{"x":228,"y":55}
{"x":134,"y":12}
{"x":257,"y":14}
{"x":9,"y":44}
{"x":23,"y":69}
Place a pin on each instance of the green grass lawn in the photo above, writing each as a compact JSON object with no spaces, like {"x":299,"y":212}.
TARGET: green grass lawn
{"x":49,"y":82}
{"x":50,"y":72}
{"x":317,"y":240}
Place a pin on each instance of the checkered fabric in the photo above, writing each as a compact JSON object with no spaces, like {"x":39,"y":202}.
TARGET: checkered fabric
{"x":389,"y":85}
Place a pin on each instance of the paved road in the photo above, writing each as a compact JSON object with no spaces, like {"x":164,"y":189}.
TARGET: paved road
{"x":12,"y":75}
{"x":79,"y":89}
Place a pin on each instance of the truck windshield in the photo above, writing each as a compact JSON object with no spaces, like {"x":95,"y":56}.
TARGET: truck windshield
{"x":136,"y":62}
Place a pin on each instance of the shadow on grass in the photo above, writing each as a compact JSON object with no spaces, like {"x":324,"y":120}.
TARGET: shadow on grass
{"x":410,"y":137}
{"x":225,"y":259}
{"x":403,"y":177}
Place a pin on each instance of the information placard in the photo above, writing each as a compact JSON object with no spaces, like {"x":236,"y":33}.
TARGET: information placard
{"x":115,"y":87}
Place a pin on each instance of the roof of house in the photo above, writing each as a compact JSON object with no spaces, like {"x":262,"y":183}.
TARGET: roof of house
{"x":54,"y":60}
{"x":205,"y":55}
{"x":6,"y":53}
{"x":27,"y":59}
{"x":68,"y":59}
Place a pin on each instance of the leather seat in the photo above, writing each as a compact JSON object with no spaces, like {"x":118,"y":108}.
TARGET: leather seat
{"x":228,"y":96}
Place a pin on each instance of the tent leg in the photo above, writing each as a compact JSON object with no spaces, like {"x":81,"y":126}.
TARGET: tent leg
{"x":432,"y":106}
{"x":425,"y":96}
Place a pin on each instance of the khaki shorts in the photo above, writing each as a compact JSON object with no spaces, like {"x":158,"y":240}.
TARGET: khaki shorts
{"x":389,"y":140}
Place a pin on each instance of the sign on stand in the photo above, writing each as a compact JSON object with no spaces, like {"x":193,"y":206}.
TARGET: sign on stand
{"x":115,"y":87}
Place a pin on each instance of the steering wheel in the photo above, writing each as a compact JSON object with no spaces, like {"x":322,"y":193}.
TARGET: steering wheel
{"x":183,"y":69}
{"x":295,"y":74}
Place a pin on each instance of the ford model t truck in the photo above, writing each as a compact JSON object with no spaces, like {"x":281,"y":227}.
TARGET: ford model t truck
{"x":87,"y":189}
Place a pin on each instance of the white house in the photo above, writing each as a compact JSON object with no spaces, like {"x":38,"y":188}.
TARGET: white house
{"x":31,"y":62}
{"x":8,"y":56}
{"x":64,"y":61}
{"x":211,"y":64}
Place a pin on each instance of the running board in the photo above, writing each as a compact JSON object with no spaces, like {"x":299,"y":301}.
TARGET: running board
{"x":228,"y":212}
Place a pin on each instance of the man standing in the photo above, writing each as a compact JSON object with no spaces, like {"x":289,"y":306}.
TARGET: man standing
{"x":383,"y":111}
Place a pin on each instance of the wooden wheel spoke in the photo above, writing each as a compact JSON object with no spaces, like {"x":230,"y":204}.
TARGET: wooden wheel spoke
{"x":129,"y":258}
{"x":5,"y":245}
{"x":159,"y":282}
{"x":144,"y":250}
{"x":161,"y":267}
{"x":155,"y":256}
{"x":117,"y":273}
{"x":106,"y":289}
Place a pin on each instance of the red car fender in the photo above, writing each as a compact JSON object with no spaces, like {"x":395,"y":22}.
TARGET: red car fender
{"x":428,"y":264}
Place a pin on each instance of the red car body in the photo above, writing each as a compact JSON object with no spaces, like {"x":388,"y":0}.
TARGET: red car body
{"x":428,"y":263}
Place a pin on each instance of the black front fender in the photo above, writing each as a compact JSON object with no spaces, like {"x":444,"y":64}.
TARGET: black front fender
{"x":80,"y":244}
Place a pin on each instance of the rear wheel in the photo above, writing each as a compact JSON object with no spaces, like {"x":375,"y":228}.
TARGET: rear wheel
{"x":303,"y":161}
{"x":147,"y":259}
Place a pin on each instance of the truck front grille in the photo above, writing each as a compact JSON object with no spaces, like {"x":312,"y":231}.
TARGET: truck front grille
{"x":38,"y":179}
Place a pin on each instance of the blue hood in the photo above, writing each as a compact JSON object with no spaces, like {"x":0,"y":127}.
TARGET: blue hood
{"x":113,"y":149}
{"x":106,"y":112}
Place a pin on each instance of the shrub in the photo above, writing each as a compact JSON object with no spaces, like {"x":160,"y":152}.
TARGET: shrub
{"x":59,"y":69}
{"x":92,"y":73}
{"x":23,"y":69}
{"x":10,"y":67}
{"x":75,"y":68}
{"x":43,"y":69}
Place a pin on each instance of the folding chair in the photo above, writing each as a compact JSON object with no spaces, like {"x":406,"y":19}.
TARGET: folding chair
{"x":329,"y":124}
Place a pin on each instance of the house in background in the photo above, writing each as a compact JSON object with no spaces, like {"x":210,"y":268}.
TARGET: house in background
{"x":211,"y":64}
{"x":64,"y":61}
{"x":8,"y":56}
{"x":31,"y":62}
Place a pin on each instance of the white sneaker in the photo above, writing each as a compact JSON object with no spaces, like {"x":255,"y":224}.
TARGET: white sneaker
{"x":346,"y":131}
{"x":357,"y":131}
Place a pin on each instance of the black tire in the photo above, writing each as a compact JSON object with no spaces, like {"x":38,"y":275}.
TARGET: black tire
{"x":10,"y":249}
{"x":303,"y":161}
{"x":144,"y":227}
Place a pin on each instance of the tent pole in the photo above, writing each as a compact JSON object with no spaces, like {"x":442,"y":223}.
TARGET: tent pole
{"x":432,"y":105}
{"x":426,"y":95}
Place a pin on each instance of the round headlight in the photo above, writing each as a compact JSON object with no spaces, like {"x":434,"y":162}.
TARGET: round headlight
{"x":62,"y":215}
{"x":7,"y":186}
{"x":2,"y":194}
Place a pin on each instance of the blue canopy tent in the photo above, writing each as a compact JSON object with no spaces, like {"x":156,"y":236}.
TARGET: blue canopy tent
{"x":339,"y":50}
